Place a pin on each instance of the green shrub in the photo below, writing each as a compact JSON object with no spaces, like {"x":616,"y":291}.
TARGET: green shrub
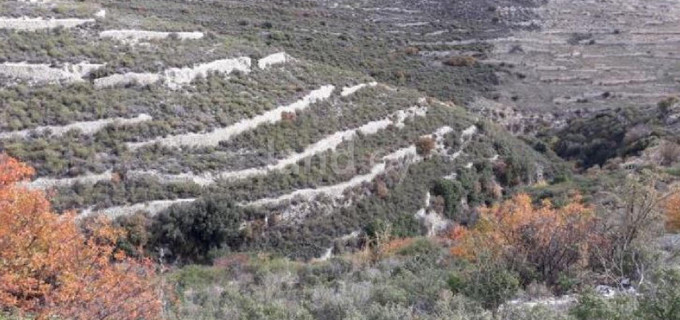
{"x":194,"y":232}
{"x":452,"y":192}
{"x":592,"y":306}
{"x":489,"y":283}
{"x":615,"y":133}
{"x":660,"y":297}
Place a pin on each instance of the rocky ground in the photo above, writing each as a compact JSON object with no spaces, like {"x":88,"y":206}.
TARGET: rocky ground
{"x":592,"y":55}
{"x":556,"y":58}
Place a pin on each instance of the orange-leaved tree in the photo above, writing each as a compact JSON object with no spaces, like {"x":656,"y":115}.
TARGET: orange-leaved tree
{"x":672,"y":208}
{"x":49,"y":268}
{"x":541,"y":239}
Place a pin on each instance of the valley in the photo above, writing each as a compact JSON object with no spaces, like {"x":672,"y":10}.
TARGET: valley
{"x":356,"y":159}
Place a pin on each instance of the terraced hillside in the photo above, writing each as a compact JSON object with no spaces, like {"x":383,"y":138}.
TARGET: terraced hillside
{"x":121,"y":114}
{"x":345,"y":159}
{"x":594,"y":54}
{"x":377,"y":38}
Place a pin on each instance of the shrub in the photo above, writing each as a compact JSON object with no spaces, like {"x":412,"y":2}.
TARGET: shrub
{"x":613,"y":133}
{"x":635,"y":218}
{"x":411,"y":51}
{"x":536,"y":240}
{"x":672,"y":211}
{"x":666,"y":104}
{"x":194,"y":232}
{"x":452,"y":192}
{"x":461,"y":61}
{"x":660,"y":298}
{"x":51,"y":267}
{"x":425,"y":145}
{"x":669,"y":152}
{"x":591,"y":306}
{"x":288,"y":116}
{"x":487,"y":282}
{"x":137,"y":235}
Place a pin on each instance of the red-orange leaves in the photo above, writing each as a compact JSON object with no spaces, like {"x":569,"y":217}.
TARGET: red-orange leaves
{"x":12,"y":171}
{"x":672,"y":210}
{"x":546,"y":238}
{"x":50,"y":268}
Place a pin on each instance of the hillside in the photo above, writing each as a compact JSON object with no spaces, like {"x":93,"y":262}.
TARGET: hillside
{"x":338,"y":159}
{"x":275,"y":130}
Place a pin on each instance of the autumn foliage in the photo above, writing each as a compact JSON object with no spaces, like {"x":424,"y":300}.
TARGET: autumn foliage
{"x":51,"y":268}
{"x":425,"y":145}
{"x":672,"y":210}
{"x":542,"y":238}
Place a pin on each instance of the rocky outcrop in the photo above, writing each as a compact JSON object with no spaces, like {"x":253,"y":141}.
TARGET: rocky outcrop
{"x":274,"y":59}
{"x":33,"y":24}
{"x":129,"y":78}
{"x":175,"y":78}
{"x":86,"y":127}
{"x":135,"y":36}
{"x":44,"y":73}
{"x":90,"y":179}
{"x":152,"y":207}
{"x":351,"y":90}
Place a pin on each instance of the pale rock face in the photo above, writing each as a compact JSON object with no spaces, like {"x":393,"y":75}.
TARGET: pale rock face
{"x":100,"y":14}
{"x":33,"y":24}
{"x":325,"y":256}
{"x":351,"y":90}
{"x":152,"y":207}
{"x":469,"y":132}
{"x":430,"y":219}
{"x":175,"y":78}
{"x":126,"y":79}
{"x":135,"y":36}
{"x":274,"y":59}
{"x":46,"y":183}
{"x":43,"y":73}
{"x":86,"y":127}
